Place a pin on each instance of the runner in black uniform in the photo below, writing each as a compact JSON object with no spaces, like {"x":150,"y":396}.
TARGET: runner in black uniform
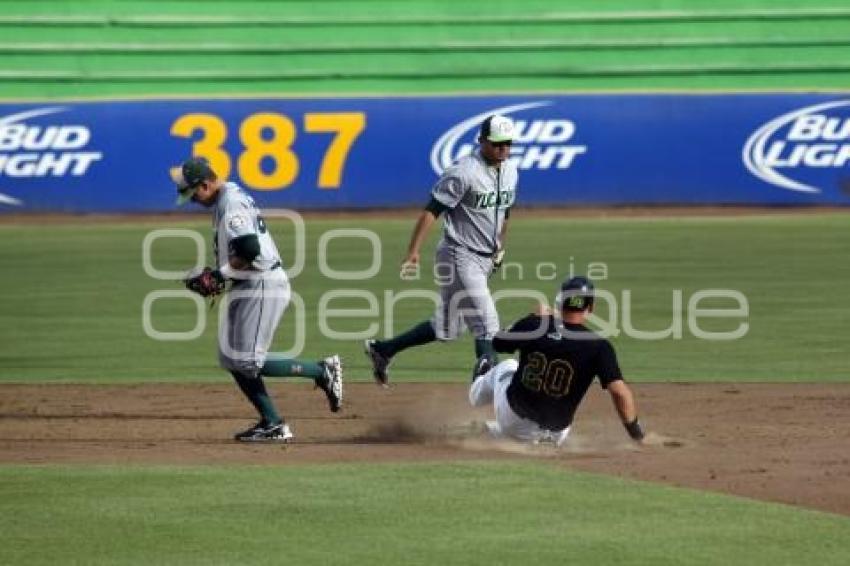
{"x":536,"y":398}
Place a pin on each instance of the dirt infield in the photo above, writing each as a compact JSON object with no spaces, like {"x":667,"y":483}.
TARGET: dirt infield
{"x":779,"y":442}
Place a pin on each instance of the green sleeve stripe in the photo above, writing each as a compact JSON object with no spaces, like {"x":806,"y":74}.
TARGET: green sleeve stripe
{"x":435,"y":207}
{"x":245,"y":247}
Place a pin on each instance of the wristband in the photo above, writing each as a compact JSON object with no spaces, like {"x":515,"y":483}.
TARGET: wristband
{"x":634,"y":429}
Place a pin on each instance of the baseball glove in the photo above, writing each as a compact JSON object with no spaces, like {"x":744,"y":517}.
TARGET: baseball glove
{"x":208,"y":283}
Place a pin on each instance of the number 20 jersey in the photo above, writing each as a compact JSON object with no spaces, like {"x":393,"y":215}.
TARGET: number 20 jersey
{"x":556,"y":368}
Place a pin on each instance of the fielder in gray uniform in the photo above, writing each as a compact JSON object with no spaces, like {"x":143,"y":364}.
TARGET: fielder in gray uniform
{"x":475,"y":196}
{"x":248,"y":257}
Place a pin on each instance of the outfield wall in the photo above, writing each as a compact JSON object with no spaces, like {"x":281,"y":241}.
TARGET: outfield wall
{"x":586,"y":149}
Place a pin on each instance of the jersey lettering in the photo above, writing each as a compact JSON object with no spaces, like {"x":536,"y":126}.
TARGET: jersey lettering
{"x":552,"y":378}
{"x":501,"y":199}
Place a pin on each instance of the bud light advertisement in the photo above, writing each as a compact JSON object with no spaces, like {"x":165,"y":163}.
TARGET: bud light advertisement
{"x":384,"y":152}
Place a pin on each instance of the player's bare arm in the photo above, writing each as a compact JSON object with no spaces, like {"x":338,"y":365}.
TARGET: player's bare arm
{"x":499,"y":255}
{"x":624,"y":403}
{"x":503,"y":235}
{"x":420,"y":231}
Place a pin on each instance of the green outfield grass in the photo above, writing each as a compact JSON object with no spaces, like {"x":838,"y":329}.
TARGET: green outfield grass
{"x":73,"y":295}
{"x":471,"y":513}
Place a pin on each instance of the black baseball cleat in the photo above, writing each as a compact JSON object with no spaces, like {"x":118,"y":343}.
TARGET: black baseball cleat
{"x":482,"y":366}
{"x":380,"y":363}
{"x":264,"y":432}
{"x":331,"y":382}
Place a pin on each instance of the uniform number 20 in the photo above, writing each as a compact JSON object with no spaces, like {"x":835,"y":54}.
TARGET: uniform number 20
{"x":277,"y":146}
{"x":552,"y":378}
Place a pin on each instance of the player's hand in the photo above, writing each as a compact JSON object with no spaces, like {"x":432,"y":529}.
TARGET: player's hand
{"x":410,"y":266}
{"x":498,"y":258}
{"x":543,"y":310}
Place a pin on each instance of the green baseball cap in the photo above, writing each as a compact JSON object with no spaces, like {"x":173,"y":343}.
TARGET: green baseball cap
{"x":188,"y":176}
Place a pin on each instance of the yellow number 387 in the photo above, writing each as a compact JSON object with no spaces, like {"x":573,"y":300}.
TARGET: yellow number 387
{"x":277,"y":146}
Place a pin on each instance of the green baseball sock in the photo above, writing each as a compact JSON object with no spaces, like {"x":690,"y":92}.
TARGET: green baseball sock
{"x":255,"y":390}
{"x":422,"y":333}
{"x":484,"y":347}
{"x":293,"y":368}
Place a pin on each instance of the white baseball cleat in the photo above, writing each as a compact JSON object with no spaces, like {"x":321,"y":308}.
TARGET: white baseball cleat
{"x":263,"y":432}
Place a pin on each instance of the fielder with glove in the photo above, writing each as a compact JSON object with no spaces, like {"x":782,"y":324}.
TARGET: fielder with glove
{"x":248,"y":257}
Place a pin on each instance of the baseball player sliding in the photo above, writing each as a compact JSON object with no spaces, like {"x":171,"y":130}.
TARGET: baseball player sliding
{"x":475,"y":196}
{"x":247,"y":256}
{"x":536,"y":398}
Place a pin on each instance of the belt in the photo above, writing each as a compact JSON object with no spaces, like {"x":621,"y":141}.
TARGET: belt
{"x":457,"y":244}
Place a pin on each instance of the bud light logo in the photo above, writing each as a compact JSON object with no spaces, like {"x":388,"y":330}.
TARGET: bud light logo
{"x":538,"y":143}
{"x":12,"y":201}
{"x":810,"y":139}
{"x":30,"y":150}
